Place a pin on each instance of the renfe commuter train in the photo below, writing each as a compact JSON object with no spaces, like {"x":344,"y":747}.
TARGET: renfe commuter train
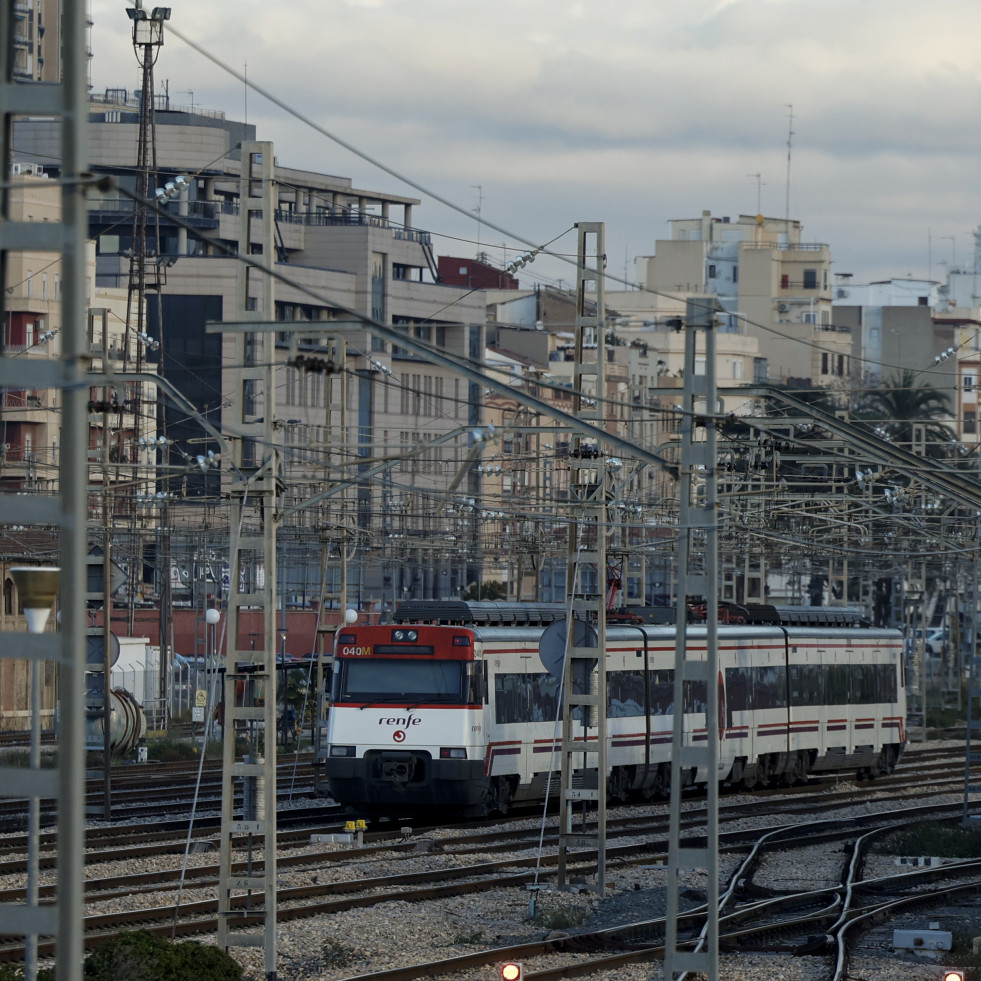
{"x":451,"y":709}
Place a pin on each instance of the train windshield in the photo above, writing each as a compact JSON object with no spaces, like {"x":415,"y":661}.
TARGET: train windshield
{"x":399,"y":681}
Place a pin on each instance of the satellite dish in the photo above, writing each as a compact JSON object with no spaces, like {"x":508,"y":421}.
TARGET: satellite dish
{"x":95,"y":651}
{"x":551,"y":647}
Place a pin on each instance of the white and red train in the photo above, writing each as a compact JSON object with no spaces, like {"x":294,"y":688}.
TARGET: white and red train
{"x":451,"y":708}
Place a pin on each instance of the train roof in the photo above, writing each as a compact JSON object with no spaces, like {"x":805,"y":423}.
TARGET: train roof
{"x":479,"y":614}
{"x":472,"y":613}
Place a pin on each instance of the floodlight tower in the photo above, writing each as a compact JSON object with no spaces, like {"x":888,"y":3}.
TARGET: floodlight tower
{"x":145,"y":271}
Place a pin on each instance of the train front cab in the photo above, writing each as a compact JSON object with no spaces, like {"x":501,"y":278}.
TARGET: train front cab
{"x":406,"y":723}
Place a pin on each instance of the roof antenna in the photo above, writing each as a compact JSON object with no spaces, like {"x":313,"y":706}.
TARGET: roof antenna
{"x":790,"y":138}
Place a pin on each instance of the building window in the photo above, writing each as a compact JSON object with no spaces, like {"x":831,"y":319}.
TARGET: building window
{"x":968,"y":383}
{"x":809,"y":318}
{"x":970,"y":423}
{"x":784,"y":281}
{"x":711,"y":272}
{"x":824,"y":363}
{"x":810,"y":279}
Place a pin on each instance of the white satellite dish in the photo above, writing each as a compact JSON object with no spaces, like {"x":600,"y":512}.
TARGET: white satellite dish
{"x":551,"y":647}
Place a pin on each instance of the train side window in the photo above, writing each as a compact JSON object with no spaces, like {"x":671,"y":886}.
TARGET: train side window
{"x":770,"y":687}
{"x":861,"y":692}
{"x":837,"y":685}
{"x":626,"y":694}
{"x":476,"y":682}
{"x":737,"y":692}
{"x":696,"y":698}
{"x":662,"y":692}
{"x":806,"y":684}
{"x":525,"y":698}
{"x":885,"y":683}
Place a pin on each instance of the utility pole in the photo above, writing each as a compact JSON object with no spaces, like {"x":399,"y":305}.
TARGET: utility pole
{"x":696,"y":678}
{"x":256,"y":490}
{"x":585,"y":634}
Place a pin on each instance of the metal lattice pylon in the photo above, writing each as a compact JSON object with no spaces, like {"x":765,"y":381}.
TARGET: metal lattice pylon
{"x":68,"y":103}
{"x":583,"y":757}
{"x":695,"y":677}
{"x":248,"y":898}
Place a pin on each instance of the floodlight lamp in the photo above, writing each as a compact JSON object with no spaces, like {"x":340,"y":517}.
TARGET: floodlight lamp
{"x":37,"y":587}
{"x":160,"y":14}
{"x":136,"y":13}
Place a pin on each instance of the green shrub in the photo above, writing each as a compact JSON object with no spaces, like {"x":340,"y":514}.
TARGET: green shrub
{"x":142,"y":956}
{"x":934,"y":839}
{"x":170,"y":750}
{"x":560,"y":919}
{"x":14,"y":972}
{"x":335,"y":954}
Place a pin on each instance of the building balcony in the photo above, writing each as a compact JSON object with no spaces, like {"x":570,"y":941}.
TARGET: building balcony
{"x":786,"y":246}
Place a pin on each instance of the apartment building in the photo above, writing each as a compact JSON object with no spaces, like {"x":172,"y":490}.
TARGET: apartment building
{"x":36,"y":40}
{"x":761,"y":270}
{"x":341,"y":252}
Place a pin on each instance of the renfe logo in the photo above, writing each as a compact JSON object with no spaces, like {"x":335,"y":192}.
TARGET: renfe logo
{"x":401,"y":721}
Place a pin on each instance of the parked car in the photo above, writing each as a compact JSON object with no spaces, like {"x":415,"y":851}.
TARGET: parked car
{"x":934,"y":642}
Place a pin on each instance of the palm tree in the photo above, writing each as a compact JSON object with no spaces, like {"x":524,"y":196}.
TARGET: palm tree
{"x":899,"y":407}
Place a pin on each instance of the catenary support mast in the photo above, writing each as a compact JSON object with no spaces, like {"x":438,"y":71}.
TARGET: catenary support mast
{"x":67,"y":102}
{"x":583,"y":757}
{"x":697,"y":682}
{"x":250,"y":674}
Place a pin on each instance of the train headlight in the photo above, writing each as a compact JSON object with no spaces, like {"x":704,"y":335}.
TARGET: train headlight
{"x":953,"y":975}
{"x":402,"y":636}
{"x":452,"y":753}
{"x":512,"y":971}
{"x":342,"y":751}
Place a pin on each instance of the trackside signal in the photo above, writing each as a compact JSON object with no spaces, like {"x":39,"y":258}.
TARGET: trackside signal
{"x":513,"y":971}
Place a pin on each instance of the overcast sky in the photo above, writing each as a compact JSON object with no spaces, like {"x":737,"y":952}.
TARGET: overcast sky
{"x":629,"y":112}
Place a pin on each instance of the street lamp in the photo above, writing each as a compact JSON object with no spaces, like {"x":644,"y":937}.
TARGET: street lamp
{"x":37,"y":588}
{"x":212,"y":617}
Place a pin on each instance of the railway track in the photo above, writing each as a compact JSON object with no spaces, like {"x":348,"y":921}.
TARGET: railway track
{"x":638,"y":848}
{"x":637,"y":841}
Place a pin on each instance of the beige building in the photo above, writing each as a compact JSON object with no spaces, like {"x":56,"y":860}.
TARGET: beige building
{"x":775,"y":284}
{"x":36,"y":40}
{"x":343,"y":406}
{"x":30,"y":423}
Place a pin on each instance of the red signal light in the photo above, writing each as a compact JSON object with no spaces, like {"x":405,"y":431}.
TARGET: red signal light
{"x":512,"y":971}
